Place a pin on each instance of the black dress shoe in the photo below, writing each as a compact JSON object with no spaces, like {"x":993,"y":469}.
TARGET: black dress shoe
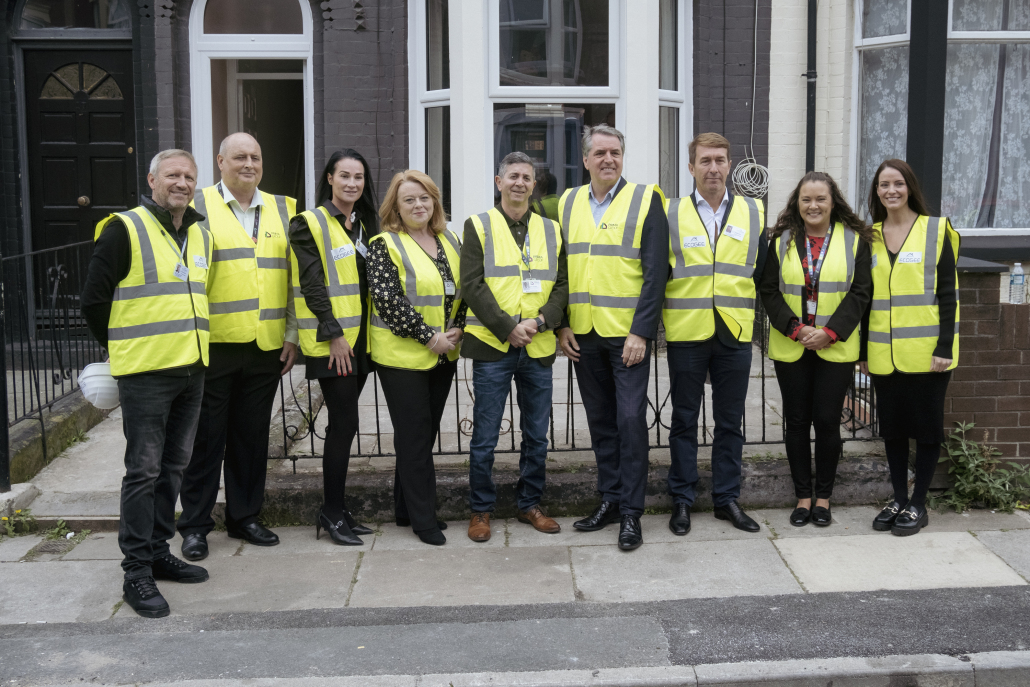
{"x":821,"y":517}
{"x":168,"y":567}
{"x":355,"y":526}
{"x":885,"y":519}
{"x":434,"y":537}
{"x":194,"y":547}
{"x":255,"y":534}
{"x":910,"y":521}
{"x":630,"y":536}
{"x":800,"y":517}
{"x":679,"y":523}
{"x":737,"y":517}
{"x":339,"y":532}
{"x":603,"y":515}
{"x":143,"y":597}
{"x":406,"y":522}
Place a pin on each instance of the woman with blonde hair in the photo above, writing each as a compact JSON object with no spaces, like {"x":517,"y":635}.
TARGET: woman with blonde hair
{"x":416,"y":328}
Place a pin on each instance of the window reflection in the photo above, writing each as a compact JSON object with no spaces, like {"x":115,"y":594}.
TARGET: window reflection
{"x":668,"y":150}
{"x":438,"y":61}
{"x":438,"y":151}
{"x":253,"y":16}
{"x":75,"y":14}
{"x":554,"y":42}
{"x":667,"y":30}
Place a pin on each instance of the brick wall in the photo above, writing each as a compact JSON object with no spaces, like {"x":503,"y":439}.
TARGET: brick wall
{"x":991,"y":385}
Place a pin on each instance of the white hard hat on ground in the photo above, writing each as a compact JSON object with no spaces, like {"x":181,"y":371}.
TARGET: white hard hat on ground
{"x":98,"y":386}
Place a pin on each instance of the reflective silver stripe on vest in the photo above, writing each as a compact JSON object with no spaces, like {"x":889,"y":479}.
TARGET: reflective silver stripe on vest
{"x":201,"y":204}
{"x":490,"y":266}
{"x":452,"y":239}
{"x":880,"y":337}
{"x":625,"y":249}
{"x":126,"y":293}
{"x":755,"y":232}
{"x":733,"y":270}
{"x":579,"y":298}
{"x":881,"y":304}
{"x":327,"y":248}
{"x":274,"y":263}
{"x":312,"y":323}
{"x":334,"y":291}
{"x":930,"y":330}
{"x":614,"y":301}
{"x":138,"y":331}
{"x":146,"y":249}
{"x":280,"y":205}
{"x":226,"y":254}
{"x":914,"y":299}
{"x":930,"y":266}
{"x":577,"y":248}
{"x":272,"y":314}
{"x":706,"y":270}
{"x":410,"y":280}
{"x":566,"y":220}
{"x":734,"y":302}
{"x":679,"y":268}
{"x":688,"y":304}
{"x":229,"y":307}
{"x":793,"y":289}
{"x":206,"y":235}
{"x":551,"y":238}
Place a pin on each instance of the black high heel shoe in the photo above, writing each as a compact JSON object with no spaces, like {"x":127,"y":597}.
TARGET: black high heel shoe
{"x":340,"y":532}
{"x":355,"y":526}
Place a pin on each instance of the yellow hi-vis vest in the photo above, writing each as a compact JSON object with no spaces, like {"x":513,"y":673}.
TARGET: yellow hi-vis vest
{"x":702,"y":281}
{"x":835,"y":279}
{"x":341,"y":281}
{"x":158,"y":321}
{"x":504,"y":270}
{"x":605,"y":276}
{"x":424,"y":289}
{"x":247,"y":286}
{"x":904,"y":321}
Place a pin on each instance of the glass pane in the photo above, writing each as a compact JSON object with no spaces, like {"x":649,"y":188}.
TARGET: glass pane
{"x":253,"y":16}
{"x":69,"y":73}
{"x":270,"y":66}
{"x":106,"y":90}
{"x":438,"y":60}
{"x":668,"y":24}
{"x":884,"y":112}
{"x":438,"y":151}
{"x":668,"y":150}
{"x":1013,"y":209}
{"x":884,"y":18}
{"x":554,"y":42}
{"x":55,"y":90}
{"x":991,"y":15}
{"x":550,"y":134}
{"x":76,"y":14}
{"x":91,"y":76}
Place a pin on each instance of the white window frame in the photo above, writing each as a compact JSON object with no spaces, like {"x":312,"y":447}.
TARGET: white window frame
{"x":683,"y":97}
{"x":420,"y":97}
{"x":903,"y":40}
{"x":207,"y":47}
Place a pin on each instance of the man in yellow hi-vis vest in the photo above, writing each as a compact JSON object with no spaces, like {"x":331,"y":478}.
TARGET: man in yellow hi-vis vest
{"x":514,"y":277}
{"x":717,"y":253}
{"x":617,"y":238}
{"x":253,"y":343}
{"x":145,"y":301}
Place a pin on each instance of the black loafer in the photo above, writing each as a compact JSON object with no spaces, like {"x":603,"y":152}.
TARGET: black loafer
{"x":910,"y":521}
{"x":403,"y":522}
{"x":885,"y":518}
{"x":630,"y":536}
{"x":603,"y":515}
{"x":168,"y":567}
{"x":737,"y":517}
{"x":142,"y":595}
{"x":679,"y":523}
{"x":194,"y":547}
{"x":255,"y":534}
{"x":821,"y":517}
{"x":800,"y":517}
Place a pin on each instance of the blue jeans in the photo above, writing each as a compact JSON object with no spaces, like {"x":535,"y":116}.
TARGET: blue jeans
{"x":492,"y":382}
{"x":730,"y":369}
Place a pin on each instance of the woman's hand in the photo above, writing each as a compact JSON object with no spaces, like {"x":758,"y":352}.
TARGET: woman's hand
{"x":939,"y":364}
{"x":816,"y":341}
{"x":340,"y":354}
{"x":440,"y":344}
{"x":863,"y":367}
{"x":454,"y":335}
{"x":805,"y":331}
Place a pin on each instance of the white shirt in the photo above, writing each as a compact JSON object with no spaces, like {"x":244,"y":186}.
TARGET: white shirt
{"x":245,"y":217}
{"x":597,"y":209}
{"x":712,"y":218}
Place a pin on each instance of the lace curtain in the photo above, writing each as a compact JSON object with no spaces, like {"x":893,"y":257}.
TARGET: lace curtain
{"x":884,"y":113}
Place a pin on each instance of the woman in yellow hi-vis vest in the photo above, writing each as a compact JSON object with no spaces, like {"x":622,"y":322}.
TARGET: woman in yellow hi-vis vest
{"x":815,"y":288}
{"x":332,"y":317}
{"x":416,"y":328}
{"x":911,"y":338}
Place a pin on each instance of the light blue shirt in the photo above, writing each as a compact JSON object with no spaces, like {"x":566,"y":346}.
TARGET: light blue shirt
{"x":712,"y":218}
{"x":598,"y":209}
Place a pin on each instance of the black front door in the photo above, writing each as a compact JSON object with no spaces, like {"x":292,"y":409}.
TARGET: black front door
{"x":81,"y":141}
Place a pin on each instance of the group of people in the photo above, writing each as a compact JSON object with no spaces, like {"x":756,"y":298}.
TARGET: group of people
{"x":203,"y":296}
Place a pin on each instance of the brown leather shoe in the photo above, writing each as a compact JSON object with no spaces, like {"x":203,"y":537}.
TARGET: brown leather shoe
{"x":535,"y":517}
{"x":479,"y":527}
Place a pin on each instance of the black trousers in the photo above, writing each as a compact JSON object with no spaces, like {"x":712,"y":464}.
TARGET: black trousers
{"x":813,"y":391}
{"x":341,"y":401}
{"x":239,"y":390}
{"x":416,"y":399}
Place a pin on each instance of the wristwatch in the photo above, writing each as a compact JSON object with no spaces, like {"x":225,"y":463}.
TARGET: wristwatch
{"x":541,"y":324}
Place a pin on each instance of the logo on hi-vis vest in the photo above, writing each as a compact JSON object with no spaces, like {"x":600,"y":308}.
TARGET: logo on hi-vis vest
{"x":273,"y":234}
{"x":610,"y":225}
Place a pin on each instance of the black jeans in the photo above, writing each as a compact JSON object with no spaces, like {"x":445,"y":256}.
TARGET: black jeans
{"x":341,"y":401}
{"x":159,"y":420}
{"x":615,"y":401}
{"x":813,"y":393}
{"x":416,"y":399}
{"x":239,"y":389}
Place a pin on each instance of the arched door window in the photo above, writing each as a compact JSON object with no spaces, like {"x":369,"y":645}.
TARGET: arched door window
{"x":75,"y":14}
{"x":80,"y":80}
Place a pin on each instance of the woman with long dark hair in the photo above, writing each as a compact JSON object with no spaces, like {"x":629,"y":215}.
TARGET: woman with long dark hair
{"x":910,"y":344}
{"x":329,"y":246}
{"x":815,"y":287}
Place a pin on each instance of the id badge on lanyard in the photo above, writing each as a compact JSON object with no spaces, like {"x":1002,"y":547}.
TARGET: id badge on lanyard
{"x":529,"y":284}
{"x":814,"y":270}
{"x":181,"y":271}
{"x":359,"y":244}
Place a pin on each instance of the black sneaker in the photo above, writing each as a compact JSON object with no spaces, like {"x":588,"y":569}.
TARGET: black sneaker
{"x":168,"y":567}
{"x":143,"y":597}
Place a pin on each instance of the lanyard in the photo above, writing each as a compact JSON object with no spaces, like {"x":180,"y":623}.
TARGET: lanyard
{"x":176,"y":248}
{"x":815,"y":270}
{"x":525,"y":254}
{"x":257,"y":213}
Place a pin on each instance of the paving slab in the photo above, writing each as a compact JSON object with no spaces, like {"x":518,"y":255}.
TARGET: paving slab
{"x":394,"y":538}
{"x":300,"y":541}
{"x":459,"y":577}
{"x":704,"y":527}
{"x":681,"y":570}
{"x":1001,"y":668}
{"x":980,"y":519}
{"x":930,"y":670}
{"x":13,"y":548}
{"x":219,"y":545}
{"x":928,"y":560}
{"x":102,"y":546}
{"x":1012,"y":546}
{"x":59,"y":591}
{"x":239,"y":584}
{"x":847,"y":520}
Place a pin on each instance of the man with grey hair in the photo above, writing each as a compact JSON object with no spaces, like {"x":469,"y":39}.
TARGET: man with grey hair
{"x":617,"y":235}
{"x":514,"y":280}
{"x":145,"y":300}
